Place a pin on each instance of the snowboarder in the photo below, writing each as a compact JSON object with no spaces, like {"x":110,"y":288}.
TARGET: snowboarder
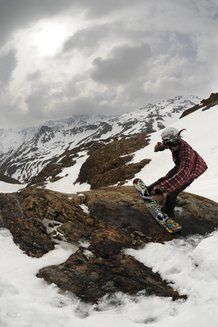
{"x":188,"y":166}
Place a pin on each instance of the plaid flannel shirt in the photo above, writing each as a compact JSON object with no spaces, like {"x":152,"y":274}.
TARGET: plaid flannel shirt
{"x":188,"y":166}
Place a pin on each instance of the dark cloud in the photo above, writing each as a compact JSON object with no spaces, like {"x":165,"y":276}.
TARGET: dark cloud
{"x":8,"y":63}
{"x":36,"y":75}
{"x":91,"y":38}
{"x":100,"y":8}
{"x":124,"y":63}
{"x":38,"y":103}
{"x":88,"y":38}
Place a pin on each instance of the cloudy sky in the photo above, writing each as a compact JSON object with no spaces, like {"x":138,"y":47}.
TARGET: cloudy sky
{"x":63,"y":57}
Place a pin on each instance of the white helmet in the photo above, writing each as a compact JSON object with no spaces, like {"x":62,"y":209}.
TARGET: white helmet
{"x":171,"y":135}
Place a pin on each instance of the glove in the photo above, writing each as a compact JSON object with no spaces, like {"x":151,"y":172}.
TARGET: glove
{"x":149,"y":189}
{"x":159,"y":147}
{"x":159,"y":190}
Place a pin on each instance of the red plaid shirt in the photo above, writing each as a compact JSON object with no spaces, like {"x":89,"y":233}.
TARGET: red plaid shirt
{"x":188,"y":166}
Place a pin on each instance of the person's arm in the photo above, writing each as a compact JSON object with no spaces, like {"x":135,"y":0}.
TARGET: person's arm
{"x":162,"y":179}
{"x":182,"y":174}
{"x":160,"y":147}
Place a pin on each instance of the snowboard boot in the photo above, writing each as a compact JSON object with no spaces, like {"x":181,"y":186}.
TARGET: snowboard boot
{"x":168,"y":214}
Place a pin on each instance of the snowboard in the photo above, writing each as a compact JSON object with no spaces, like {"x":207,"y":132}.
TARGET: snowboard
{"x":170,"y":225}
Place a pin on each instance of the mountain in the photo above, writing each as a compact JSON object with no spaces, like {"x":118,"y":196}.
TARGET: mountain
{"x":24,"y":153}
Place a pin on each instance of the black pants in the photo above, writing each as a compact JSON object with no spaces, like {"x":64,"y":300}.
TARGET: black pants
{"x":170,"y":201}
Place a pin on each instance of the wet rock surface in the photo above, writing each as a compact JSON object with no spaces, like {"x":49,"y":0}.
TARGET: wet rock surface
{"x":115,"y":218}
{"x":92,"y":277}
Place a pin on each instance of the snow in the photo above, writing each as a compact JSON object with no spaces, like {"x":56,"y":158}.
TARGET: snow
{"x":84,"y":208}
{"x":10,"y":188}
{"x":191,"y":265}
{"x":67,"y":184}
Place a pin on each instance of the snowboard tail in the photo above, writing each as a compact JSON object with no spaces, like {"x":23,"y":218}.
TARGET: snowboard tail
{"x":170,"y":225}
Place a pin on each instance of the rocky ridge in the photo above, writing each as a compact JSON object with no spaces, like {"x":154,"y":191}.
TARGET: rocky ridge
{"x":205,"y":104}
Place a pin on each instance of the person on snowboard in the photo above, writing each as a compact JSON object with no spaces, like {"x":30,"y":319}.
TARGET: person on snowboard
{"x":188,"y":166}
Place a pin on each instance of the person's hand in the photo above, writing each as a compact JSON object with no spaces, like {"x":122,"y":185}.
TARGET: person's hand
{"x":159,"y":147}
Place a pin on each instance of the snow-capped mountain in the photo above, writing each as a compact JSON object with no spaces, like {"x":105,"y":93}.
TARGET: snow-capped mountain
{"x":25,"y":152}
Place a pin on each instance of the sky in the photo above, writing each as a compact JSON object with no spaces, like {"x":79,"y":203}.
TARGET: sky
{"x":59,"y":58}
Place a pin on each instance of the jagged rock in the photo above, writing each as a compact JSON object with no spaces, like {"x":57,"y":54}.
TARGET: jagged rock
{"x":25,"y":214}
{"x":211,"y":101}
{"x":205,"y":105}
{"x":92,"y":277}
{"x":9,"y":180}
{"x":108,"y":164}
{"x":27,"y":231}
{"x":108,"y":240}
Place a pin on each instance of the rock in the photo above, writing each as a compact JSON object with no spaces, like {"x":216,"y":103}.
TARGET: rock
{"x":117,"y":218}
{"x":92,"y":278}
{"x":204,"y":105}
{"x":27,"y":231}
{"x":25,"y":214}
{"x":108,"y":240}
{"x":108,"y":164}
{"x":121,"y":206}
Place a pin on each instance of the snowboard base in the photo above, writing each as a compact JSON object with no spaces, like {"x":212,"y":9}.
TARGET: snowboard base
{"x":170,"y":225}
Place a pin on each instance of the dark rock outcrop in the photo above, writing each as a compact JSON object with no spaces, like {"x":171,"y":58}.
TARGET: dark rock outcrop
{"x":109,"y":164}
{"x":27,"y":213}
{"x":93,"y":277}
{"x":204,"y":105}
{"x":28,"y":231}
{"x":9,"y":180}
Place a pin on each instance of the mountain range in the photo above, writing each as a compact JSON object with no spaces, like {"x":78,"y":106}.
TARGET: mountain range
{"x":25,"y":153}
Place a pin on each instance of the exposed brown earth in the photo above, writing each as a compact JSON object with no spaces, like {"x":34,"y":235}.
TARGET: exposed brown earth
{"x":117,"y":219}
{"x":108,"y":165}
{"x":8,"y":179}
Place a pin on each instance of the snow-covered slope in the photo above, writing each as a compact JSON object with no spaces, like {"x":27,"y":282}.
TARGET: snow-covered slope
{"x":10,"y":188}
{"x":24,"y":153}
